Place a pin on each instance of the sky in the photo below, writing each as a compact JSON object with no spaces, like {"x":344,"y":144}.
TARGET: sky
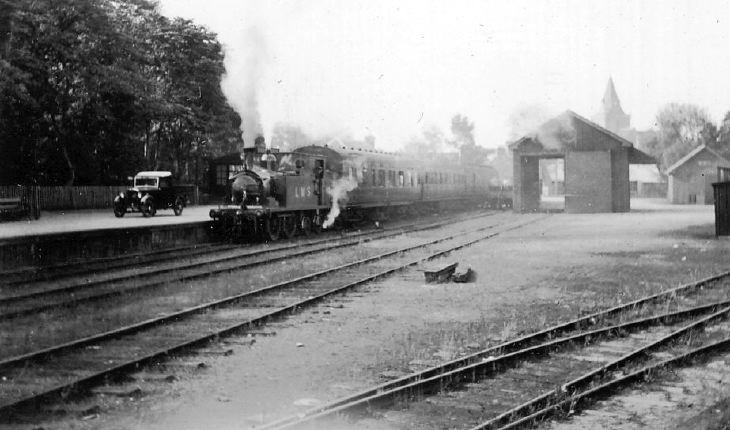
{"x":390,"y":68}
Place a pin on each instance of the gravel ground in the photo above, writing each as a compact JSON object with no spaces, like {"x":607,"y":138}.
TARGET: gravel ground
{"x":546,"y":272}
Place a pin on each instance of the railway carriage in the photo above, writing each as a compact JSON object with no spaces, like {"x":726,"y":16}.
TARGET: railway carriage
{"x":313,"y":186}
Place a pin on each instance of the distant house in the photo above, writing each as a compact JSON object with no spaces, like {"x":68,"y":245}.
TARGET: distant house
{"x":645,"y":181}
{"x":691,"y":178}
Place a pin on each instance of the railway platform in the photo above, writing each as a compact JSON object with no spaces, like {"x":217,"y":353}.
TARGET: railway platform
{"x":60,"y":236}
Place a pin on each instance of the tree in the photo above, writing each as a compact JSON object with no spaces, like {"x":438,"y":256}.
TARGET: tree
{"x":526,"y":121}
{"x":93,"y":90}
{"x":463,"y":131}
{"x":289,"y":136}
{"x":682,"y":127}
{"x":722,"y":144}
{"x":429,"y":144}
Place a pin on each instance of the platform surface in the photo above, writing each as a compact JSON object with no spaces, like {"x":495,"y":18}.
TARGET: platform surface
{"x":52,"y":222}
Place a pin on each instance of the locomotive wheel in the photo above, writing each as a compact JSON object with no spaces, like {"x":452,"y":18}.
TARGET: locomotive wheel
{"x":317,"y":224}
{"x":273,"y":228}
{"x":289,"y":226}
{"x":305,"y":225}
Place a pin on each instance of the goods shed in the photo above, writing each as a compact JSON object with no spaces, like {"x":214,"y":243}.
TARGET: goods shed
{"x":691,"y":177}
{"x":596,"y":163}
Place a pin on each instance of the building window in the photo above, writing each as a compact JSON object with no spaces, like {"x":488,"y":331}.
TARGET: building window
{"x":221,"y":174}
{"x":693,"y":198}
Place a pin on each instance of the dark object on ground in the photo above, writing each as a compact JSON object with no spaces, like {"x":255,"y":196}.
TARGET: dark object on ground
{"x":464,"y":275}
{"x":441,"y":273}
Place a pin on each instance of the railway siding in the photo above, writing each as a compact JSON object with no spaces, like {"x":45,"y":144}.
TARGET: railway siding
{"x":193,"y":327}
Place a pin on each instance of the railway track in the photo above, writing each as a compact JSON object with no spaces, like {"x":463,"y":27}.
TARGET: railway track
{"x":27,"y":275}
{"x":54,"y":272}
{"x":30,"y":379}
{"x":514,"y":384}
{"x":28,"y":299}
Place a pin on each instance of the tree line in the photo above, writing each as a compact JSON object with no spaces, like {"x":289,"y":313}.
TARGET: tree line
{"x":92,"y":91}
{"x":682,"y":127}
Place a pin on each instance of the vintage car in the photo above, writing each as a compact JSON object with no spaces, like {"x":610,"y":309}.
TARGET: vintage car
{"x":151,"y":191}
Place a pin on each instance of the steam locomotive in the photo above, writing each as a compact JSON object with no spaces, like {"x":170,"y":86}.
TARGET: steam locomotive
{"x":312,"y":187}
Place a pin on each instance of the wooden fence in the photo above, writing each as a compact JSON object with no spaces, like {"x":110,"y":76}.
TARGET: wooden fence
{"x":59,"y":198}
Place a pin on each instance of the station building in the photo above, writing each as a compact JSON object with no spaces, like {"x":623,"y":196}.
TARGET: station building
{"x":596,"y":162}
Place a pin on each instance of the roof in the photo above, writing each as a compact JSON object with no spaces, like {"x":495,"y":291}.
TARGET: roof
{"x":571,"y":114}
{"x":692,"y":154}
{"x":603,"y":130}
{"x":155,"y":174}
{"x":636,"y":156}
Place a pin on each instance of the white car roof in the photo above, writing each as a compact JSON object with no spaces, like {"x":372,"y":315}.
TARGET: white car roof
{"x":154,"y":174}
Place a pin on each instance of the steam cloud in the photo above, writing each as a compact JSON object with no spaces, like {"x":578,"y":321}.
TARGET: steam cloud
{"x":338,"y":191}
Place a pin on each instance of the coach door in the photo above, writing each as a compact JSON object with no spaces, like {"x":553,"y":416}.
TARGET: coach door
{"x":318,"y":176}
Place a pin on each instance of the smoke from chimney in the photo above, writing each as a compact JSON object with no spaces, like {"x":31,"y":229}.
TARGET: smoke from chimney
{"x":244,"y":78}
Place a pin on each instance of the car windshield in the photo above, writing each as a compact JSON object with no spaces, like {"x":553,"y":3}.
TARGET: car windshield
{"x":144,"y":181}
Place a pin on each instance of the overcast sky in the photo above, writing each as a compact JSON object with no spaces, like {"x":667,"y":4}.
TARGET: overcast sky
{"x":388,"y":68}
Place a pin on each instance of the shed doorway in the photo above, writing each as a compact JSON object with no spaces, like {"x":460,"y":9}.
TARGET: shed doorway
{"x":552,"y":184}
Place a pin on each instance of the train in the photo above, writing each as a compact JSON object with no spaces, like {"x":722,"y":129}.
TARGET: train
{"x":310,"y":188}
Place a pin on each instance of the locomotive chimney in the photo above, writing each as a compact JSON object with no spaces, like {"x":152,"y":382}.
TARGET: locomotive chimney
{"x":260,"y":144}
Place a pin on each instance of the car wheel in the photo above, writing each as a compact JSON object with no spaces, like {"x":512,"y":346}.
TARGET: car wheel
{"x":178,"y":207}
{"x":148,"y":209}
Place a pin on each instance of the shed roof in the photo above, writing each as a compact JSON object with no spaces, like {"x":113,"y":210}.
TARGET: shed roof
{"x":692,"y":154}
{"x":574,"y":116}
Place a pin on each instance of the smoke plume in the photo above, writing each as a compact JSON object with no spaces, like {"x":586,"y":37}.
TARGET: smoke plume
{"x":538,"y":123}
{"x":246,"y":71}
{"x":338,"y":191}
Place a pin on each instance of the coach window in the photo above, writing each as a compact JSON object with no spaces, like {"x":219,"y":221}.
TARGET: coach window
{"x":401,"y":179}
{"x":381,"y":178}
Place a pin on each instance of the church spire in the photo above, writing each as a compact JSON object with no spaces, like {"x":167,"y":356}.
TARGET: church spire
{"x":610,"y":101}
{"x":610,"y":115}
